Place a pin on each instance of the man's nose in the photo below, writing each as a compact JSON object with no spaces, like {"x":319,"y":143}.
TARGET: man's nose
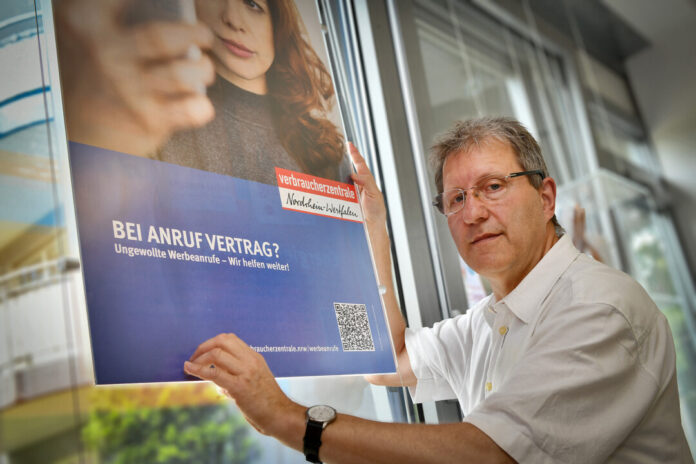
{"x":474,"y":209}
{"x":233,"y":15}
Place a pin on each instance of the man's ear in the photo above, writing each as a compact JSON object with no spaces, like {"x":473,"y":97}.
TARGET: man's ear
{"x":548,"y":197}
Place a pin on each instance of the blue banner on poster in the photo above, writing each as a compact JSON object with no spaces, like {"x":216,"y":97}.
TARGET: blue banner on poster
{"x":174,"y":255}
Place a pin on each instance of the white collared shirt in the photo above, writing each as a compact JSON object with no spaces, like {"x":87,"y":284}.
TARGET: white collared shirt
{"x":576,"y":364}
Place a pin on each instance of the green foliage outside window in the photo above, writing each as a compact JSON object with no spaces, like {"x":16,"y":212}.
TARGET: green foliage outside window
{"x":151,"y":425}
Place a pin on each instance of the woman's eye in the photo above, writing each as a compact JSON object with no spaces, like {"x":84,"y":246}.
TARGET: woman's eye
{"x":252,"y":4}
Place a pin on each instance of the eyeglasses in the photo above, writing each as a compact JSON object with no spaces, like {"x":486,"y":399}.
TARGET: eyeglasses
{"x":490,"y":188}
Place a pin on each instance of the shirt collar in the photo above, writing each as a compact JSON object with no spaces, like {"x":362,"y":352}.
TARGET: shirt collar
{"x":525,"y":300}
{"x":487,"y":305}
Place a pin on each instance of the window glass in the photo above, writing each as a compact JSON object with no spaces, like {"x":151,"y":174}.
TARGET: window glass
{"x":49,"y":410}
{"x":621,"y":143}
{"x":648,"y":244}
{"x":462,"y":64}
{"x":471,"y":65}
{"x":645,"y":244}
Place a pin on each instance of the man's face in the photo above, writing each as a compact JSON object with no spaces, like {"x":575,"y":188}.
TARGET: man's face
{"x":502,"y":239}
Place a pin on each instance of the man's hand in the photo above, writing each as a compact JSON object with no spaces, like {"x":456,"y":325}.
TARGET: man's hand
{"x":128,"y":88}
{"x":371,"y":198}
{"x":579,"y":237}
{"x":375,"y":214}
{"x":244,"y":376}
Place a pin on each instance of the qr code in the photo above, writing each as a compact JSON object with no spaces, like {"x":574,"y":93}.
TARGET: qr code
{"x":354,"y":327}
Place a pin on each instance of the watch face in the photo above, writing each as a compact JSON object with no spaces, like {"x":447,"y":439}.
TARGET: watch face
{"x":321,"y":413}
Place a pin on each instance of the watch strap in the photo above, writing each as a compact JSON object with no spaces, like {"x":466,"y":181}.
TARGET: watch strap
{"x":312,"y":440}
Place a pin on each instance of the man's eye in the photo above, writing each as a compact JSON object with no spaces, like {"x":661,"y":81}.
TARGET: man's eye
{"x":493,"y":186}
{"x":456,"y":199}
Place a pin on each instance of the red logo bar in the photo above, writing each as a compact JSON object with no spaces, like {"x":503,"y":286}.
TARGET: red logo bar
{"x":315,"y":185}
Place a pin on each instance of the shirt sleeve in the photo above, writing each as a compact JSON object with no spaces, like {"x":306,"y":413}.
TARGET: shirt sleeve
{"x":431,"y":385}
{"x":579,"y":389}
{"x":440,"y":358}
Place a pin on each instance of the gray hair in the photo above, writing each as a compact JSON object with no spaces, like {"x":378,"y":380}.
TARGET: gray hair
{"x":466,"y":135}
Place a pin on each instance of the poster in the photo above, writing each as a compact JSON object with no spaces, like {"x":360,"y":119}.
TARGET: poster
{"x":228,"y":209}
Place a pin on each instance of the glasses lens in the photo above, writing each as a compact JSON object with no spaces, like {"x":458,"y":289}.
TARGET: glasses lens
{"x":492,"y":188}
{"x":452,"y":201}
{"x":489,"y":189}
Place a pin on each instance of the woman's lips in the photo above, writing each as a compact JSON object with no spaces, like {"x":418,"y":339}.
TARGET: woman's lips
{"x":237,"y":49}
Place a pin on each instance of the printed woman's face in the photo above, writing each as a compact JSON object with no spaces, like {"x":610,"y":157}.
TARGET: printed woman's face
{"x":243,"y":50}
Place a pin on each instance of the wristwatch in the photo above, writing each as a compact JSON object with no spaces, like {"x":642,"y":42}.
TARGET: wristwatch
{"x":318,"y":417}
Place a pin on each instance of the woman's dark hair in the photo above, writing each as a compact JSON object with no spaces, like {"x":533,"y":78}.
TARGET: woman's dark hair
{"x":302,"y":89}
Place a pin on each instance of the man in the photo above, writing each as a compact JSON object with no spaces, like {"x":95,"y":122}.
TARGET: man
{"x":567,"y":361}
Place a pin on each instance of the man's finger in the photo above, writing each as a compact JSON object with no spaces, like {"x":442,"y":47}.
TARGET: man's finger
{"x":360,"y":179}
{"x":363,"y":176}
{"x":357,"y":158}
{"x":228,"y":341}
{"x":209,"y":372}
{"x":219,"y":357}
{"x":367,"y":183}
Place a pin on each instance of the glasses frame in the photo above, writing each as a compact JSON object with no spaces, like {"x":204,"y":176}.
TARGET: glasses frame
{"x":437,"y":200}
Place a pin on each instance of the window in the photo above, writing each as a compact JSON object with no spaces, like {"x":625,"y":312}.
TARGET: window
{"x":48,"y":409}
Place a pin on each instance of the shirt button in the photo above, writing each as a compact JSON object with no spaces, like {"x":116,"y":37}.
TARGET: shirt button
{"x":489,"y":386}
{"x":503,"y":330}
